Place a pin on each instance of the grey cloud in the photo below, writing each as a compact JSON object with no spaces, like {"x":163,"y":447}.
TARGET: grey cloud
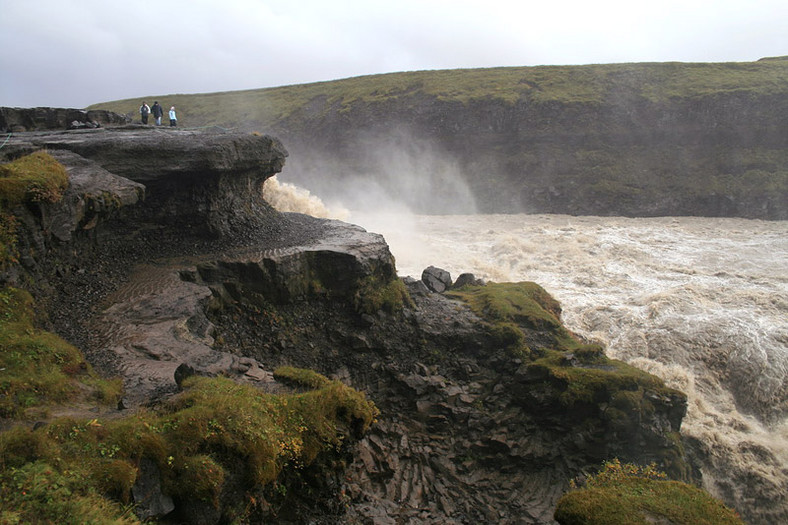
{"x":78,"y":52}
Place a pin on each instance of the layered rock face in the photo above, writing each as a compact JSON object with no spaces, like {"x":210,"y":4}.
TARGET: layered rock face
{"x":194,"y":181}
{"x":39,"y":119}
{"x":163,"y":260}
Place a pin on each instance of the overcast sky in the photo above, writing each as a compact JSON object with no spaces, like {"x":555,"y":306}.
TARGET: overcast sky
{"x":73,"y":53}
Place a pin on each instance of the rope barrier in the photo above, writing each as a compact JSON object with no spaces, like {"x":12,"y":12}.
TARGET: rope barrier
{"x":6,"y":140}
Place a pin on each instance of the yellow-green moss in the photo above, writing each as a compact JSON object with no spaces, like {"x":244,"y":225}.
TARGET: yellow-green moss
{"x":37,"y":368}
{"x":37,"y":177}
{"x":301,"y":376}
{"x":373,"y":295}
{"x":199,"y":475}
{"x":512,"y":307}
{"x":578,"y":375}
{"x":40,"y":492}
{"x":600,"y":381}
{"x":634,"y":495}
{"x":214,"y":425}
{"x":580,"y":371}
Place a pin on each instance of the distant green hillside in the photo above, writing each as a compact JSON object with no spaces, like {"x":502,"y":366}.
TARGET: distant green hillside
{"x":657,"y":82}
{"x":610,"y":139}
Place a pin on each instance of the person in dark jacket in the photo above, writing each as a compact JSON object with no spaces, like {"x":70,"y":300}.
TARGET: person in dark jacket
{"x":157,"y":112}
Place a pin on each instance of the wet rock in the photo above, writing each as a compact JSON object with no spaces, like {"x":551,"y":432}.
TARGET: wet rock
{"x":182,"y":373}
{"x":206,"y":183}
{"x":436,"y":279}
{"x":466,"y":279}
{"x":149,"y":500}
{"x":415,"y":287}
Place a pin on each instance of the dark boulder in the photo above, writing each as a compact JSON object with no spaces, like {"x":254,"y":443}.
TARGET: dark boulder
{"x":467,"y":279}
{"x":149,"y":500}
{"x":436,"y":279}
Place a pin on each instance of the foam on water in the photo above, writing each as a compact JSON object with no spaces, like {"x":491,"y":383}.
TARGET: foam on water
{"x":700,"y":302}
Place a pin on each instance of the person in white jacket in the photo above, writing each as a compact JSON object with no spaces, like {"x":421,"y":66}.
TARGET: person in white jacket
{"x":144,"y":112}
{"x":173,"y":120}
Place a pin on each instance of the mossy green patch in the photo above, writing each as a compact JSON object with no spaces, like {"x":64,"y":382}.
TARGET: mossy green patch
{"x":375,"y":293}
{"x":81,"y":471}
{"x":40,"y":492}
{"x":595,"y":380}
{"x":580,"y":371}
{"x":301,"y":377}
{"x":579,"y":377}
{"x":39,"y":370}
{"x":37,"y":177}
{"x":214,"y":426}
{"x":633,"y":495}
{"x":511,"y":308}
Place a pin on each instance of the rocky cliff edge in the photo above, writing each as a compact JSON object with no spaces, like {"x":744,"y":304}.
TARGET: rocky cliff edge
{"x":162,"y":261}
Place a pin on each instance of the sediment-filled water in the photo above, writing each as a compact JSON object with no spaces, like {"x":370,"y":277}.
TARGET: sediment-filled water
{"x":699,"y":302}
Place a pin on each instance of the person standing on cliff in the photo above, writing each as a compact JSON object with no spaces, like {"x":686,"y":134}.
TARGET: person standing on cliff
{"x":144,"y":112}
{"x":157,"y":112}
{"x":173,"y":119}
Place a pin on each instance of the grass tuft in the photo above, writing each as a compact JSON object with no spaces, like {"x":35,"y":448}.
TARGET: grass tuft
{"x":37,"y":177}
{"x":626,"y":494}
{"x":38,"y":369}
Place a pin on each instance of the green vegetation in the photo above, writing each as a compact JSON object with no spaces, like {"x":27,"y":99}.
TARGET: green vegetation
{"x":581,"y":372}
{"x":525,"y":319}
{"x":634,"y":495}
{"x":594,"y":378}
{"x":589,"y":84}
{"x":74,"y":466}
{"x":79,"y":470}
{"x":37,"y":177}
{"x":38,"y":370}
{"x":509,"y":307}
{"x":301,"y":377}
{"x":33,"y":178}
{"x":373,"y":295}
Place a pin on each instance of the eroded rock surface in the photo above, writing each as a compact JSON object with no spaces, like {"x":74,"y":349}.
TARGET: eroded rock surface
{"x":204,"y":182}
{"x":39,"y":119}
